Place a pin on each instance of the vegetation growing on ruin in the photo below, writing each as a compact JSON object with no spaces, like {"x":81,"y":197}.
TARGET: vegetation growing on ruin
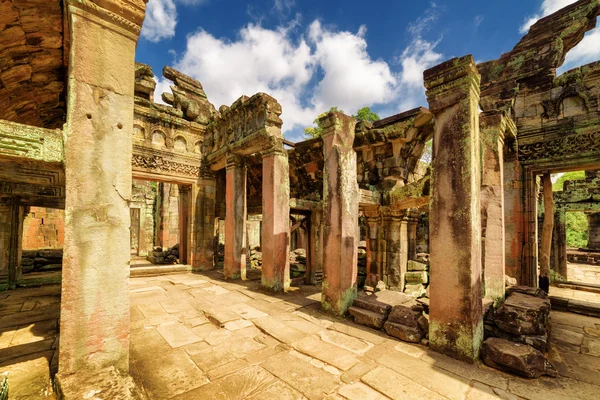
{"x":577,"y":223}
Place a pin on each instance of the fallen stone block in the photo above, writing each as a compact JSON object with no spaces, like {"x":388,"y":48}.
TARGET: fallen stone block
{"x":406,"y":314}
{"x":415,"y":290}
{"x":517,"y":358}
{"x":523,"y":314}
{"x":416,"y":277}
{"x":417,"y":266}
{"x":367,"y":318}
{"x":403,"y":332}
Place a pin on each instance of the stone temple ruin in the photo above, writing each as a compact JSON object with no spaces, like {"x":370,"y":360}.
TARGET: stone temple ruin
{"x":101,"y":183}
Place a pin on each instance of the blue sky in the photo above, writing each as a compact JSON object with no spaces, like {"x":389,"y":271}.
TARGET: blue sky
{"x":314,"y":54}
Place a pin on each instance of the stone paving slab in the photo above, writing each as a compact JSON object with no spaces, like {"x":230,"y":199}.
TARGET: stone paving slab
{"x":176,"y":334}
{"x":326,"y":352}
{"x":246,"y":311}
{"x":302,"y":376}
{"x":398,"y":387}
{"x":279,"y":330}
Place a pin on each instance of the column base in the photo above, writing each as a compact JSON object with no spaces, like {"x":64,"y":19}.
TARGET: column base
{"x":106,"y":383}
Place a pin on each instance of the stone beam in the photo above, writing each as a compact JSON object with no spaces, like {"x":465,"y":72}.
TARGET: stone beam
{"x":275,"y":225}
{"x":30,"y":143}
{"x":456,"y":323}
{"x":235,"y":219}
{"x":340,"y":213}
{"x":94,"y":323}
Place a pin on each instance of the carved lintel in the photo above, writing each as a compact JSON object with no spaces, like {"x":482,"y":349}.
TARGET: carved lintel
{"x":29,"y":142}
{"x":128,"y":14}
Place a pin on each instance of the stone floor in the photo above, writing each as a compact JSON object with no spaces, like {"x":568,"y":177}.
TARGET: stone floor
{"x":585,"y":273}
{"x":194,"y":336}
{"x":568,"y":293}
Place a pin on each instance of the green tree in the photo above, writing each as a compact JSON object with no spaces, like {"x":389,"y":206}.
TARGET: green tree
{"x":365,"y":114}
{"x":577,"y":223}
{"x":567,"y":176}
{"x":316,"y":131}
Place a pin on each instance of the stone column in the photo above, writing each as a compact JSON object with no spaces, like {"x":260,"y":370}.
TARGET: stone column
{"x":559,"y":245}
{"x":340,"y":213}
{"x":593,"y":231}
{"x":315,"y":244}
{"x":276,"y":220}
{"x":235,"y":219}
{"x":204,"y":194}
{"x":16,"y":243}
{"x":456,"y":324}
{"x":94,"y":317}
{"x":374,"y":239}
{"x":396,"y":239}
{"x":513,"y":211}
{"x":492,"y":203}
{"x":5,"y":230}
{"x":412,"y":235}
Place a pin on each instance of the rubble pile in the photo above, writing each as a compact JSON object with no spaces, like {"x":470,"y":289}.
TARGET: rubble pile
{"x":160,"y":256}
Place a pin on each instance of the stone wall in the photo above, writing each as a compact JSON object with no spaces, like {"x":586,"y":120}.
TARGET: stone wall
{"x":44,"y":228}
{"x":5,"y":227}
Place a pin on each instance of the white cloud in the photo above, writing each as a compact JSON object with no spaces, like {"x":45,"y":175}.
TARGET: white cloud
{"x":163,"y":85}
{"x":160,"y":21}
{"x":309,"y":71}
{"x":548,"y":7}
{"x":161,"y":18}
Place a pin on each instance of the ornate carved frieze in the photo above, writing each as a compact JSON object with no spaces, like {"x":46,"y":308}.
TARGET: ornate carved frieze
{"x":568,"y":146}
{"x":153,"y":161}
{"x":23,"y":141}
{"x":128,"y":14}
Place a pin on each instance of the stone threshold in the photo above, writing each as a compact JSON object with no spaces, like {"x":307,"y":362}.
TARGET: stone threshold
{"x":575,"y":306}
{"x":586,"y":287}
{"x":157,"y":270}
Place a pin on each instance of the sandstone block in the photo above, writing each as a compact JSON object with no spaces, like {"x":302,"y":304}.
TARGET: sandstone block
{"x":403,"y":332}
{"x":368,"y":318}
{"x":523,"y":314}
{"x":517,"y":358}
{"x":417,"y":266}
{"x":415,"y":290}
{"x":416,"y":277}
{"x":406,"y":314}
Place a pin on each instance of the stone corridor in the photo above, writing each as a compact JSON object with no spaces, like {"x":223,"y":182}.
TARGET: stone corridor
{"x":195,"y":336}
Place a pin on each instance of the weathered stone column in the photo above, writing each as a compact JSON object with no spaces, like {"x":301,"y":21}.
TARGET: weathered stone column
{"x":16,"y":243}
{"x":513,"y":210}
{"x":276,"y":221}
{"x":204,"y":194}
{"x":413,"y":221}
{"x":456,"y":324}
{"x":559,"y":245}
{"x":493,"y":128}
{"x":593,"y":231}
{"x":374,"y":239}
{"x":315,"y":244}
{"x":235,"y":219}
{"x":396,"y":239}
{"x":94,"y":317}
{"x":340,"y":213}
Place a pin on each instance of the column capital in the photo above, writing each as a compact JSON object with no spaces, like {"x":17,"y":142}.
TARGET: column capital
{"x":450,"y":82}
{"x":234,"y":161}
{"x":338,"y":129}
{"x":128,"y":14}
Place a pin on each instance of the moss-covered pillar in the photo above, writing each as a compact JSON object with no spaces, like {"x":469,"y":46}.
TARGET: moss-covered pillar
{"x":559,"y":239}
{"x":204,"y":194}
{"x":456,"y":323}
{"x":340,"y":213}
{"x":315,"y":246}
{"x":94,"y":317}
{"x":593,"y":231}
{"x":235,"y":218}
{"x":493,"y":128}
{"x":276,"y":220}
{"x":374,"y":242}
{"x":413,"y":221}
{"x":16,"y":243}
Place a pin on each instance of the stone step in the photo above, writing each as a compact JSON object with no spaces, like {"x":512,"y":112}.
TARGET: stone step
{"x":367,"y":318}
{"x":156,"y":270}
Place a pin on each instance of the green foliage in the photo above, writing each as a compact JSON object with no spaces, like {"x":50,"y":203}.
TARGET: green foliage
{"x":567,"y":176}
{"x":577,"y":229}
{"x":365,"y":114}
{"x":556,"y":277}
{"x":313,"y":132}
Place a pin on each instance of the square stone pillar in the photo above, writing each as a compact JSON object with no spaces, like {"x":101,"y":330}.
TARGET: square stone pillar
{"x":493,"y":128}
{"x":235,"y":219}
{"x":413,"y":221}
{"x":276,"y":221}
{"x":11,"y":239}
{"x":94,"y":317}
{"x":559,"y":238}
{"x":456,"y":323}
{"x":374,"y":243}
{"x":315,"y":245}
{"x":204,"y":194}
{"x":340,"y":214}
{"x":396,"y":239}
